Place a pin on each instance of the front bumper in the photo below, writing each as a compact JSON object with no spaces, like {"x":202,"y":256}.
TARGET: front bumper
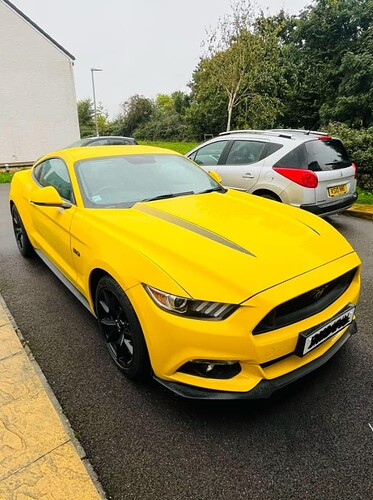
{"x":173,"y":341}
{"x":335,"y":207}
{"x":266,"y":387}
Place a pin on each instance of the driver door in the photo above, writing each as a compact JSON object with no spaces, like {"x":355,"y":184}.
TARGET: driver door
{"x":51,"y":224}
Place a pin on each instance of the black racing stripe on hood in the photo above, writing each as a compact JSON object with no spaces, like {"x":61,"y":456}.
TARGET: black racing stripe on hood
{"x":194,"y":228}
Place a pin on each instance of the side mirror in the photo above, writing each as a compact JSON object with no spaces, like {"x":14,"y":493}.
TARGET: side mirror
{"x":215,"y":176}
{"x":48,"y":197}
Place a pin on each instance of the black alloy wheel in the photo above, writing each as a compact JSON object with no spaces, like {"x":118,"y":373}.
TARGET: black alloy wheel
{"x":121,"y":329}
{"x":23,"y":243}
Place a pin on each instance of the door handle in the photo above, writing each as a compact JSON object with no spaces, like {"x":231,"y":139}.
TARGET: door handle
{"x":248,"y":175}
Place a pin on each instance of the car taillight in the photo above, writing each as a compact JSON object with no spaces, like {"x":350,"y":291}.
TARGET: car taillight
{"x":305,"y":178}
{"x":355,"y":168}
{"x":325,"y":138}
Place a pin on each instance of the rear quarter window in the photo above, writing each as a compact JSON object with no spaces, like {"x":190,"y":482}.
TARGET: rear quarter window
{"x":297,"y":158}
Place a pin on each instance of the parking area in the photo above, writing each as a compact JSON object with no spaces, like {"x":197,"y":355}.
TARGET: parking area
{"x":312,"y":440}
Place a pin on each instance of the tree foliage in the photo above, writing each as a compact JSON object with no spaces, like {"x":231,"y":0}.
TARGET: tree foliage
{"x":168,"y":121}
{"x":328,"y":59}
{"x":242,"y":54}
{"x":86,"y":118}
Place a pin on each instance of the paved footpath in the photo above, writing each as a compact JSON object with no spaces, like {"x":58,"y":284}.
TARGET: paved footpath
{"x":39,"y":456}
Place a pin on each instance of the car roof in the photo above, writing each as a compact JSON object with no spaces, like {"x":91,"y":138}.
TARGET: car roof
{"x":281,"y":135}
{"x":78,"y":153}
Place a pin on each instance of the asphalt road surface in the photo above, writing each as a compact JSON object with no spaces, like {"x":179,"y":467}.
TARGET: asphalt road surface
{"x":313,"y":439}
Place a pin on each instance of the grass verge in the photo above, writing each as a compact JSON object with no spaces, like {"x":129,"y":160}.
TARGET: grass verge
{"x":5,"y":177}
{"x":179,"y":147}
{"x":365,"y":197}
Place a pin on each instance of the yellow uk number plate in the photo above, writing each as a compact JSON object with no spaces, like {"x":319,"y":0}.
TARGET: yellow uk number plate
{"x":337,"y":190}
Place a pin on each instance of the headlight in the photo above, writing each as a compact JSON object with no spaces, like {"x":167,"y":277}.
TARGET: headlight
{"x":188,"y":307}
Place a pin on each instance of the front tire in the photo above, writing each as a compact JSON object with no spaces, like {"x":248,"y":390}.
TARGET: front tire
{"x":121,"y":329}
{"x":22,"y":240}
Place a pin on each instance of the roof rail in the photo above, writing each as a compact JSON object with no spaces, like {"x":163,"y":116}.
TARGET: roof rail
{"x":297,"y":131}
{"x":276,"y":133}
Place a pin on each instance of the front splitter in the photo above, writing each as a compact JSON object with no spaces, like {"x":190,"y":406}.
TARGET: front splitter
{"x":266,"y":387}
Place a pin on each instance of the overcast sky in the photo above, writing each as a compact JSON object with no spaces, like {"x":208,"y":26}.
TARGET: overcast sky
{"x":144,"y":47}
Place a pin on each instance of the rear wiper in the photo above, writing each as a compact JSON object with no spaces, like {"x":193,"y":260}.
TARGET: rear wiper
{"x":167,"y":195}
{"x":337,"y":162}
{"x":219,"y":189}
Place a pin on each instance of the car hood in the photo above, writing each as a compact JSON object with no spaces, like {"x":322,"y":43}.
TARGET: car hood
{"x":226,"y":247}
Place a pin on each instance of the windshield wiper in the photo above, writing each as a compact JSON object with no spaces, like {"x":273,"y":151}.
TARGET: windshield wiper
{"x":167,"y":195}
{"x":219,"y":189}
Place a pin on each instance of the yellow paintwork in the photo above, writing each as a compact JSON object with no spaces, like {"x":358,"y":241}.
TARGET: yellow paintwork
{"x":292,"y":252}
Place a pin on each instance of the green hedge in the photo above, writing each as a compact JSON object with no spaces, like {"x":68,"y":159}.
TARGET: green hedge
{"x":359,"y":144}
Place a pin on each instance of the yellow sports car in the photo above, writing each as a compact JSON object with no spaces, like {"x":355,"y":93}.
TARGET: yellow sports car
{"x":218,"y":294}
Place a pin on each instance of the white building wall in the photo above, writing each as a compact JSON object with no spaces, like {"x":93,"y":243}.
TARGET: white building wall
{"x":38,"y":111}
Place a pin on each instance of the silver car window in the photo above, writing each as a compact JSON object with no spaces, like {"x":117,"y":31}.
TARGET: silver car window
{"x":245,"y":152}
{"x":210,"y":154}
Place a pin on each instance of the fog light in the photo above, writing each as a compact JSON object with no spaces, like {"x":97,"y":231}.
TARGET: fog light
{"x":211,"y":369}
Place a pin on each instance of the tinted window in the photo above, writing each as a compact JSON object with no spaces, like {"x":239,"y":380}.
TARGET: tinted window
{"x":295,"y":159}
{"x":54,"y":173}
{"x":244,"y":152}
{"x":326,"y":155}
{"x":98,"y":142}
{"x":271,"y":148}
{"x":210,"y":154}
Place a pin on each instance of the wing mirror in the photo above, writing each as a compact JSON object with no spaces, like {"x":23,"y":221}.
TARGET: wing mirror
{"x":215,"y":176}
{"x":48,"y":197}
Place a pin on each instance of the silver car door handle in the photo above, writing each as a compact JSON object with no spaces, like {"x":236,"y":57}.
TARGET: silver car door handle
{"x":248,"y":175}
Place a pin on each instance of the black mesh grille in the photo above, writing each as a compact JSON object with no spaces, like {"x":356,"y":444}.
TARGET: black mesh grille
{"x":305,"y":305}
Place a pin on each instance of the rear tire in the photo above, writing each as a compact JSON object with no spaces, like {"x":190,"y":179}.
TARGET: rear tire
{"x":121,"y":330}
{"x":22,"y":240}
{"x":269,"y":197}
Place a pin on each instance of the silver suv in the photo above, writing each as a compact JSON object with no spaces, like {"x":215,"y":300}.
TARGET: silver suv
{"x":306,"y":169}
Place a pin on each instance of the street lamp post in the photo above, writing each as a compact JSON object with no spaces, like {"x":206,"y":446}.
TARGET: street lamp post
{"x":94,"y":97}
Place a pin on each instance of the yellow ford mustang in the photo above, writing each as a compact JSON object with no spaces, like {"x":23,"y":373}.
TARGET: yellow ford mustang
{"x":217,"y":293}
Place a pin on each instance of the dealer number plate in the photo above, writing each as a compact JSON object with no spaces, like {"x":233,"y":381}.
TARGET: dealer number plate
{"x":337,"y":190}
{"x":311,"y":339}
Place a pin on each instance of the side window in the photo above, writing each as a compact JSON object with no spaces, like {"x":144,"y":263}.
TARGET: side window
{"x":210,"y":154}
{"x":297,"y":158}
{"x":54,"y":173}
{"x":245,"y":152}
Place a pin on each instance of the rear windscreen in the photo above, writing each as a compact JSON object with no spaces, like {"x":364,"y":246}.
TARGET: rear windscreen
{"x":326,"y":155}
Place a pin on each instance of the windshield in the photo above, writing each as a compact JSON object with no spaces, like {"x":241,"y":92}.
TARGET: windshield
{"x":121,"y":181}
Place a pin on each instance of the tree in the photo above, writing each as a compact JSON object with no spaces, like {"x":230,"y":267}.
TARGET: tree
{"x":242,"y":54}
{"x":86,"y":118}
{"x":137,"y":110}
{"x":168,"y":120}
{"x":328,"y":58}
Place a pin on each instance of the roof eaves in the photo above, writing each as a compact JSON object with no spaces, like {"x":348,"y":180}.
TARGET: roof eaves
{"x":34,"y":25}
